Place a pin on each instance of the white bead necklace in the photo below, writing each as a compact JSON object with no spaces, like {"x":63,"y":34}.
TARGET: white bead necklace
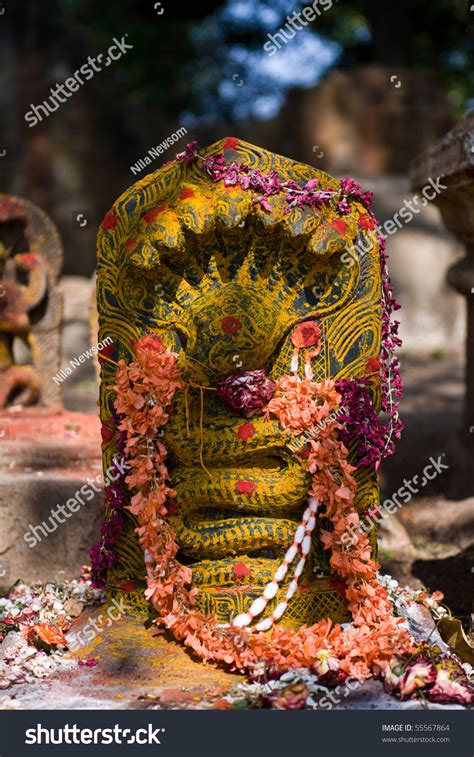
{"x":301,"y":545}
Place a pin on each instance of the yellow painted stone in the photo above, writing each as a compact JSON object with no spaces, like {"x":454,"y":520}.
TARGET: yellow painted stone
{"x":224,"y":283}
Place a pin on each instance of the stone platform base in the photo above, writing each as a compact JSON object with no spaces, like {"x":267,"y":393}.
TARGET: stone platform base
{"x":46,"y":456}
{"x":136,"y":669}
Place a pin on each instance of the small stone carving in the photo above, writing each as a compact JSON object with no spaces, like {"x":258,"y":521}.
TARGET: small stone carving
{"x":30,"y":304}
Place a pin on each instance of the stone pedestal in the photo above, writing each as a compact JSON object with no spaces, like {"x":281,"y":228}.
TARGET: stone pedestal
{"x":46,"y":456}
{"x":452,"y":159}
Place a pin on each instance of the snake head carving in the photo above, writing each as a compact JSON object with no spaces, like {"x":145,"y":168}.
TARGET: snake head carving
{"x":225,"y":281}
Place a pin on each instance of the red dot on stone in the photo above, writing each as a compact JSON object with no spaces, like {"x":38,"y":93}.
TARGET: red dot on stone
{"x":231,"y":143}
{"x":241,"y":570}
{"x":230,"y":324}
{"x":151,"y":214}
{"x":245,"y":487}
{"x":339,"y":225}
{"x":110,"y":221}
{"x":246,"y":431}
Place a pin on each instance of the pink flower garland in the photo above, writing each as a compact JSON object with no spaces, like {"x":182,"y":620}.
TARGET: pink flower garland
{"x":266,"y":185}
{"x":145,"y":390}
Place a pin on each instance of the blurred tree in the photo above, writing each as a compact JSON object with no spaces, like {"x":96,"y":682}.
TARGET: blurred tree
{"x":192,"y":64}
{"x":194,"y":55}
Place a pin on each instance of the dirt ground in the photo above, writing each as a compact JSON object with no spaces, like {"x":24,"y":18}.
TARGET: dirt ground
{"x":431,"y":539}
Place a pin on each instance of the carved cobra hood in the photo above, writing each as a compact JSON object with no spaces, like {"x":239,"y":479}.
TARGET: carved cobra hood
{"x":224,"y":281}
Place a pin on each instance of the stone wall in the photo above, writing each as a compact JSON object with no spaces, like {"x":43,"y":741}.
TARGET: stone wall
{"x":432,"y":315}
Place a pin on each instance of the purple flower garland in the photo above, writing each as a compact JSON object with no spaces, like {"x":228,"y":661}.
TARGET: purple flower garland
{"x":270,"y":184}
{"x":103,"y":556}
{"x":361,"y":421}
{"x":390,"y":375}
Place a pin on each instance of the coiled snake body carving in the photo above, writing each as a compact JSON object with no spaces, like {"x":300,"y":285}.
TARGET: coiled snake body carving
{"x":224,"y":282}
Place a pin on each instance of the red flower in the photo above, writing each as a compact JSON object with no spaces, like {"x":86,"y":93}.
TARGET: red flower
{"x":45,"y":637}
{"x":185,"y":193}
{"x":246,"y":391}
{"x":241,"y":570}
{"x":130,"y":242}
{"x":106,"y":433}
{"x":372,"y":365}
{"x":293,"y":697}
{"x":420,"y":673}
{"x":339,"y":225}
{"x":189,"y":156}
{"x":245,"y":487}
{"x":451,"y":686}
{"x":230,"y":324}
{"x":306,"y":334}
{"x":366,"y":222}
{"x":231,"y":143}
{"x":405,"y":681}
{"x":442,"y":681}
{"x":151,"y":214}
{"x":110,"y":221}
{"x":153,"y":343}
{"x":246,"y":431}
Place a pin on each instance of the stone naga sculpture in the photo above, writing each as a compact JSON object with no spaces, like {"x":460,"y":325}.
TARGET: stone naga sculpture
{"x":30,"y":303}
{"x":224,"y":282}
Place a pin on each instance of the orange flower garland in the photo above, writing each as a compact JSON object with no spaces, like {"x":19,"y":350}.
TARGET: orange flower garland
{"x":145,"y":390}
